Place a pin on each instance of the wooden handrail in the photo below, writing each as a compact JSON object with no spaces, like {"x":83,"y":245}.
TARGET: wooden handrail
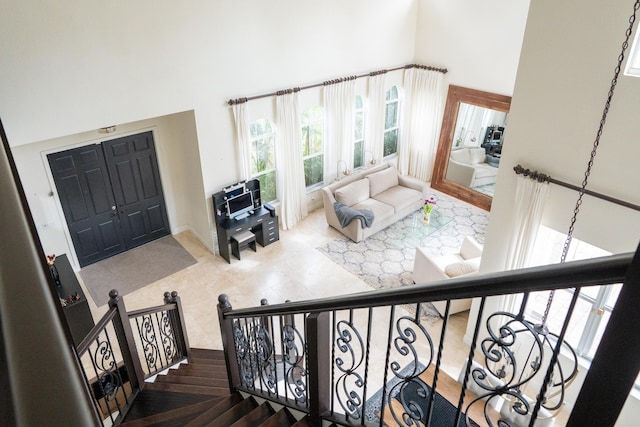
{"x":95,"y":331}
{"x":151,"y":310}
{"x":591,"y":272}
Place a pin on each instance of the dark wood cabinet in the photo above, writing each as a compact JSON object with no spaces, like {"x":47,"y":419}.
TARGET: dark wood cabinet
{"x":77,"y":314}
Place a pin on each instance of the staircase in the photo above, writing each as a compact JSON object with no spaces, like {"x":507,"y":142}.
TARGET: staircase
{"x":197,"y":394}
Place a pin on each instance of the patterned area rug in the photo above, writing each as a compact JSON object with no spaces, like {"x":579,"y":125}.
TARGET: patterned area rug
{"x":385,"y":260}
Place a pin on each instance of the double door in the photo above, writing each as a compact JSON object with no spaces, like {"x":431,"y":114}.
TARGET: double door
{"x":111,"y":196}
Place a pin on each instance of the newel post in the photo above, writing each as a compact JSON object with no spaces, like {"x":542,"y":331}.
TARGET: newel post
{"x":228,"y":342}
{"x":319,"y":345}
{"x":125,"y":340}
{"x":178,"y":324}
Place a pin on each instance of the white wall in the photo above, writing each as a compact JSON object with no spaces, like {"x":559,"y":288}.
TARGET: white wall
{"x":177,"y":152}
{"x":565,"y":70}
{"x":477,"y":41}
{"x":563,"y":79}
{"x":72,"y":67}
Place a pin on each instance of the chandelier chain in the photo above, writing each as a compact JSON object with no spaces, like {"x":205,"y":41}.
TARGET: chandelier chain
{"x":596,"y":143}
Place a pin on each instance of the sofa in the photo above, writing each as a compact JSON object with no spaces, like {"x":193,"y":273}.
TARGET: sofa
{"x":429,"y":268}
{"x":468,"y":167}
{"x":380,"y":190}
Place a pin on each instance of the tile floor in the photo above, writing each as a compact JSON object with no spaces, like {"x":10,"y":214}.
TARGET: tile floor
{"x":291,"y":269}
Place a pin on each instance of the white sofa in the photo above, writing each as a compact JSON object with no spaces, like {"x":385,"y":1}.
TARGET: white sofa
{"x":428,"y":268}
{"x":380,"y":189}
{"x":468,"y":167}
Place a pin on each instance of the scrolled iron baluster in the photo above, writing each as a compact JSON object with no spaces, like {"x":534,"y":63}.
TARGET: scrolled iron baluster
{"x":350,"y":400}
{"x":265,"y":356}
{"x":147,"y":334}
{"x":409,"y":333}
{"x":108,"y":379}
{"x":500,"y":349}
{"x":243,"y":355}
{"x":293,"y":357}
{"x":167,"y":337}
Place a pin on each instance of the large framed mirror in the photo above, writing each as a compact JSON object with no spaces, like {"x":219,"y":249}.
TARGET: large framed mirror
{"x":470,"y":145}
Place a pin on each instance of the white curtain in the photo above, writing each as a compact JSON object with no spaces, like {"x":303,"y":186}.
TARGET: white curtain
{"x":374,"y":133}
{"x":339,"y":105}
{"x":531,"y":196}
{"x":241,"y":114}
{"x":290,"y":177}
{"x":530,"y":199}
{"x":419,"y":137}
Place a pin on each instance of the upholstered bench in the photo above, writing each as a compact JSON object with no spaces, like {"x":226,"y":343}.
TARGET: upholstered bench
{"x":241,"y":240}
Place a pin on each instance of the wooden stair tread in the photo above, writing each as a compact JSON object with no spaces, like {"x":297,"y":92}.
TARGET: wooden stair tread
{"x":150,"y":402}
{"x":234,"y":413}
{"x":193,"y":380}
{"x":202,"y":352}
{"x":200,"y":361}
{"x":304,"y":422}
{"x":215,"y":411}
{"x":256,"y":416}
{"x":200,"y":371}
{"x":281,"y":418}
{"x":183,"y":414}
{"x":188,"y":388}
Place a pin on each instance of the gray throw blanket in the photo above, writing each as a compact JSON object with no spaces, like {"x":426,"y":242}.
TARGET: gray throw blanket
{"x":346,"y":214}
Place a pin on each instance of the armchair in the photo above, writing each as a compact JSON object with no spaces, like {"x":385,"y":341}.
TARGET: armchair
{"x":428,"y":268}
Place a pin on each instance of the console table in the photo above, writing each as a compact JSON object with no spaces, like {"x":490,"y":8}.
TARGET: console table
{"x":77,"y":314}
{"x":261,"y":222}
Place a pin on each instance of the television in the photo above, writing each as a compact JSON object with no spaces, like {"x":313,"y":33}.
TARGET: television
{"x":496,"y":136}
{"x":239,"y":206}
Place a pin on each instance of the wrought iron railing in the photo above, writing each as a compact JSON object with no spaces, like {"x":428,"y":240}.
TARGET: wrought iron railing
{"x":160,"y":335}
{"x":380,"y":358}
{"x":115,"y":361}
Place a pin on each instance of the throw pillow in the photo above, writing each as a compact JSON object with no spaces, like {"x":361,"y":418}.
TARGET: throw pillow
{"x":463,"y":267}
{"x":383,"y":180}
{"x":356,"y":192}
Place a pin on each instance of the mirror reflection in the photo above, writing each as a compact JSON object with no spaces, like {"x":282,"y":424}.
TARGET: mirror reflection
{"x":470,"y":145}
{"x":476,"y":147}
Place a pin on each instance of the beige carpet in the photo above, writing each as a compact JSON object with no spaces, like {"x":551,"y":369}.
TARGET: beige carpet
{"x":135,"y":269}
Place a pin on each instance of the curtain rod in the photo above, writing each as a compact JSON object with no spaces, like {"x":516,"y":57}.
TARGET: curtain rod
{"x":540,"y":177}
{"x":334,"y":81}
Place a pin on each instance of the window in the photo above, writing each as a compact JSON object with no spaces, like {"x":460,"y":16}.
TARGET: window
{"x":312,"y":149}
{"x":358,"y":139}
{"x":594,"y":305}
{"x":633,"y":63}
{"x":263,"y":158}
{"x":391,"y":120}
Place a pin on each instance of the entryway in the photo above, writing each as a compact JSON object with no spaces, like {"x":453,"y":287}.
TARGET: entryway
{"x":111,"y":195}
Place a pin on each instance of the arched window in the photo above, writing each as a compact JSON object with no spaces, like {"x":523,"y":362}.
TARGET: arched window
{"x":263,"y":158}
{"x":312,"y":146}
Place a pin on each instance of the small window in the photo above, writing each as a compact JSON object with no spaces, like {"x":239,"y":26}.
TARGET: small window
{"x":633,"y":63}
{"x":358,"y":139}
{"x":263,"y":158}
{"x":312,"y":146}
{"x":391,"y":122}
